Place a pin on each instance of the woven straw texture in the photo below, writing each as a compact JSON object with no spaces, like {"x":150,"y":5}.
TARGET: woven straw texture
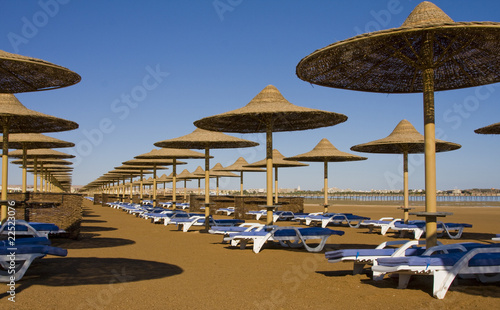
{"x":403,"y":138}
{"x":239,"y":165}
{"x":464,"y":54}
{"x":24,"y":74}
{"x":138,"y":168}
{"x":278,"y":161}
{"x":31,"y":162}
{"x":216,"y":171}
{"x":170,"y":153}
{"x":35,"y":141}
{"x":270,"y":107}
{"x":40,"y":153}
{"x":202,"y":139}
{"x":24,"y":120}
{"x":324,"y":151}
{"x":493,"y":129}
{"x":152,"y":162}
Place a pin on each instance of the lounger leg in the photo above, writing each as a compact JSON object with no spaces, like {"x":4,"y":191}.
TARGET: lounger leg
{"x":403,"y":280}
{"x":358,"y":268}
{"x":418,"y":233}
{"x":442,"y":282}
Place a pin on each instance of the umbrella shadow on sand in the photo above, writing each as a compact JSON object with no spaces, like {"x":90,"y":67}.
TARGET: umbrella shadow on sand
{"x":91,"y":241}
{"x":72,"y":271}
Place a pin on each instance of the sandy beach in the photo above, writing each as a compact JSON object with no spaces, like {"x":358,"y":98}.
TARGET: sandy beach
{"x":123,"y":262}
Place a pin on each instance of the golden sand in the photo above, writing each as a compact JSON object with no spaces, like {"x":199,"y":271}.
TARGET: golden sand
{"x":123,"y":262}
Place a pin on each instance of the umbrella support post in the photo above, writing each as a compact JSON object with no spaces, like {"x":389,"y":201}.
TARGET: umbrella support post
{"x":325,"y":206}
{"x":5,"y":165}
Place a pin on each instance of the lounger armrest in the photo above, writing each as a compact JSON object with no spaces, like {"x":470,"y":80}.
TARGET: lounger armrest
{"x":444,"y":248}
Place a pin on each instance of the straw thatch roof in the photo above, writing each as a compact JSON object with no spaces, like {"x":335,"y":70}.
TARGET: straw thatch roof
{"x":403,"y":138}
{"x":150,"y":162}
{"x":216,"y":172}
{"x":278,"y":161}
{"x":40,"y":153}
{"x":24,"y":74}
{"x":241,"y":165}
{"x":202,"y":139}
{"x":35,"y":141}
{"x":465,"y":54}
{"x":270,"y":107}
{"x":493,"y":129}
{"x":42,"y":161}
{"x":170,"y":153}
{"x":138,"y":168}
{"x":324,"y":151}
{"x":23,"y":120}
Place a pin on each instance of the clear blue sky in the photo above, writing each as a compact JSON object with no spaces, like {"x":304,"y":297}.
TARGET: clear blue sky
{"x":179,"y":61}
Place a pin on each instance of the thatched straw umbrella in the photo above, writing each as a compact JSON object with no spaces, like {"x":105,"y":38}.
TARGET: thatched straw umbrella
{"x":172,"y":154}
{"x":38,"y":155}
{"x":185,"y":175}
{"x":21,"y":74}
{"x":278,"y":162}
{"x":404,"y":139}
{"x":151,"y":163}
{"x":240,"y":166}
{"x":138,"y":168}
{"x":25,"y":141}
{"x":429,"y":52}
{"x":16,"y":118}
{"x":325,"y":152}
{"x":493,"y":129}
{"x":206,"y":140}
{"x":270,"y":112}
{"x":218,"y":172}
{"x":199,"y":174}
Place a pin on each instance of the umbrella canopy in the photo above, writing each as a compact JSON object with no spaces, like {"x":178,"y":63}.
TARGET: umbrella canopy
{"x":31,"y":161}
{"x":429,"y":52}
{"x":239,"y":165}
{"x":268,"y":112}
{"x":16,"y":118}
{"x":20,"y":74}
{"x":206,"y":140}
{"x":325,"y":152}
{"x":493,"y":129}
{"x":404,"y":139}
{"x":141,"y":170}
{"x":278,"y":161}
{"x":218,"y":172}
{"x":170,"y":154}
{"x":25,"y":141}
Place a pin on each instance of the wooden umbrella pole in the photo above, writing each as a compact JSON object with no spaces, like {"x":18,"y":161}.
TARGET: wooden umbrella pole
{"x":276,"y":185}
{"x":405,"y":186}
{"x":207,"y":188}
{"x":141,"y":185}
{"x":241,"y":183}
{"x":325,"y":186}
{"x":154,"y":185}
{"x":35,"y":173}
{"x":5,"y":166}
{"x":131,"y":188}
{"x":269,"y":170}
{"x":174,"y":184}
{"x":429,"y":143}
{"x":25,"y":173}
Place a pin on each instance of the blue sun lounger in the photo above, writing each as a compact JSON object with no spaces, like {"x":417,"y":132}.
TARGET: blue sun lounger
{"x":287,"y":236}
{"x":350,"y":219}
{"x":363,"y":257}
{"x":34,"y":229}
{"x":452,"y":230}
{"x":464,"y":259}
{"x":23,"y":255}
